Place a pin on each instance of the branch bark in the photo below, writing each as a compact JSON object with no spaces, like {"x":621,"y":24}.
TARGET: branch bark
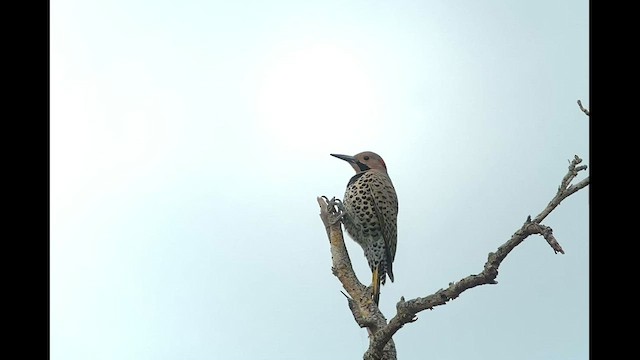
{"x":364,"y":310}
{"x":583,"y":109}
{"x":367,"y":314}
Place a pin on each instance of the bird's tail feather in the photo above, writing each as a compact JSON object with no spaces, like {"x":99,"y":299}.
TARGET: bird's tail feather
{"x":376,"y":285}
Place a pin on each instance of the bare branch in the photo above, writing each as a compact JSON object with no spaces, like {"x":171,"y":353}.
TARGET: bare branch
{"x":342,"y":267}
{"x":547,"y":233}
{"x":583,"y":109}
{"x":407,"y":310}
{"x":367,"y":314}
{"x":565,"y":189}
{"x":364,"y":310}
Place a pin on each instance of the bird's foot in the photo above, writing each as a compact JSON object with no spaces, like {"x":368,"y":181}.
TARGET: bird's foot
{"x":335,"y":208}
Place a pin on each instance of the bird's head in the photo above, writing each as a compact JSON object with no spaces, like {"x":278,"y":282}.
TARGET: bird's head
{"x":364,"y":161}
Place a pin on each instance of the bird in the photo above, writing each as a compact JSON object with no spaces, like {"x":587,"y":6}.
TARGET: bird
{"x":370,"y":214}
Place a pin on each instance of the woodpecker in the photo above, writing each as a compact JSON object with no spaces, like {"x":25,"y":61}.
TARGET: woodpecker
{"x":371,"y":214}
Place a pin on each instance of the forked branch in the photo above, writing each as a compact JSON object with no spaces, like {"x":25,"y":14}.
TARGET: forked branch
{"x":367,"y":314}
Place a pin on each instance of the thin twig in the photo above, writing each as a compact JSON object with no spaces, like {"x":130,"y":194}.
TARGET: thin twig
{"x":565,"y":189}
{"x":583,"y":109}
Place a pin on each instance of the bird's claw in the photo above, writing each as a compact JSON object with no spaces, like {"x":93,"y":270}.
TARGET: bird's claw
{"x":335,"y":209}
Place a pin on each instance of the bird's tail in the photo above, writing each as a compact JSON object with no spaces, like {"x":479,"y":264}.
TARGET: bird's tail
{"x":376,"y":284}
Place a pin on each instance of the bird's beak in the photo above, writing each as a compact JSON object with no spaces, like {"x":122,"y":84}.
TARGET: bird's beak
{"x":347,"y":158}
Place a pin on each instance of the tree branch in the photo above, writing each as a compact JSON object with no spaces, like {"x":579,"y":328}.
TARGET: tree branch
{"x":367,"y":314}
{"x":406,"y":310}
{"x":364,"y":310}
{"x":583,"y":109}
{"x":342,"y":267}
{"x":565,"y":189}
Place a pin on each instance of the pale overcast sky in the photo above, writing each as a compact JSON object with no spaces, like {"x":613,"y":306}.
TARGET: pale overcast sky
{"x":189,"y":141}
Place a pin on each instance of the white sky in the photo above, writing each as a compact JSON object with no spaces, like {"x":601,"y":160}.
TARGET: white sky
{"x":189,"y":141}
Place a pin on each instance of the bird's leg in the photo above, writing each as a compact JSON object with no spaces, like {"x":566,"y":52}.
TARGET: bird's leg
{"x":335,"y":209}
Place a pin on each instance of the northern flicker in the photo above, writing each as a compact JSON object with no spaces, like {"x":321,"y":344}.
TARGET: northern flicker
{"x":371,"y":213}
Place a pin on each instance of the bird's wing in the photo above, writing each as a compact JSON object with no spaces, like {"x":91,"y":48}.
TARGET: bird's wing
{"x":386,"y":212}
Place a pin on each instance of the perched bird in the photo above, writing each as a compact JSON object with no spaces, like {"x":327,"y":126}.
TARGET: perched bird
{"x":371,"y":213}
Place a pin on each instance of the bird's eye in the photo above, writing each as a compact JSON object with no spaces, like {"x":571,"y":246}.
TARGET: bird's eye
{"x":366,"y":158}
